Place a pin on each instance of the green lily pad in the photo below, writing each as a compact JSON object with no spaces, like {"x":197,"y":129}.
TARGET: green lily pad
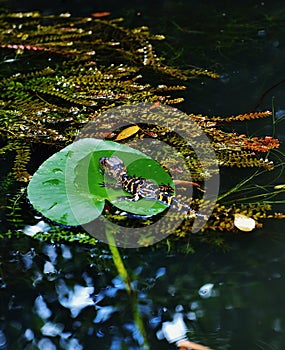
{"x":70,"y":187}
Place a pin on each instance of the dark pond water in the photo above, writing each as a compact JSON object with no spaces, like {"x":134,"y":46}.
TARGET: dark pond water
{"x":69,"y":297}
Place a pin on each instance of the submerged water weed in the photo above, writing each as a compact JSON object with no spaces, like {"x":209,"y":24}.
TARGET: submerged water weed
{"x":61,"y":72}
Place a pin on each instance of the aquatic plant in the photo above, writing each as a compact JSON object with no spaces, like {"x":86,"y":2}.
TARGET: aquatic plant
{"x":71,"y":182}
{"x":61,"y":73}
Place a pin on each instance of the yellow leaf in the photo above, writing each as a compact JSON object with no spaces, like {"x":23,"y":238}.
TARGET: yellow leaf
{"x":131,"y":130}
{"x":244,"y":223}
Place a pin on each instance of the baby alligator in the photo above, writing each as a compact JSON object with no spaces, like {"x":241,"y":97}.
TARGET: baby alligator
{"x":143,"y":188}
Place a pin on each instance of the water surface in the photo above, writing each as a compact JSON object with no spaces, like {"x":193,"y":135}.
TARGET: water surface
{"x":68,"y":297}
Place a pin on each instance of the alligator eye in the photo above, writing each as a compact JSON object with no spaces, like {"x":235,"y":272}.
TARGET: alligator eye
{"x":102,"y":160}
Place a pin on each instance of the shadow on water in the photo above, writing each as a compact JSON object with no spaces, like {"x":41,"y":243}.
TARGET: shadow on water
{"x":68,"y":297}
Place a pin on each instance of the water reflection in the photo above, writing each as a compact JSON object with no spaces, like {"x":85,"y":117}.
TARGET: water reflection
{"x":83,"y":305}
{"x":75,"y":299}
{"x":3,"y":340}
